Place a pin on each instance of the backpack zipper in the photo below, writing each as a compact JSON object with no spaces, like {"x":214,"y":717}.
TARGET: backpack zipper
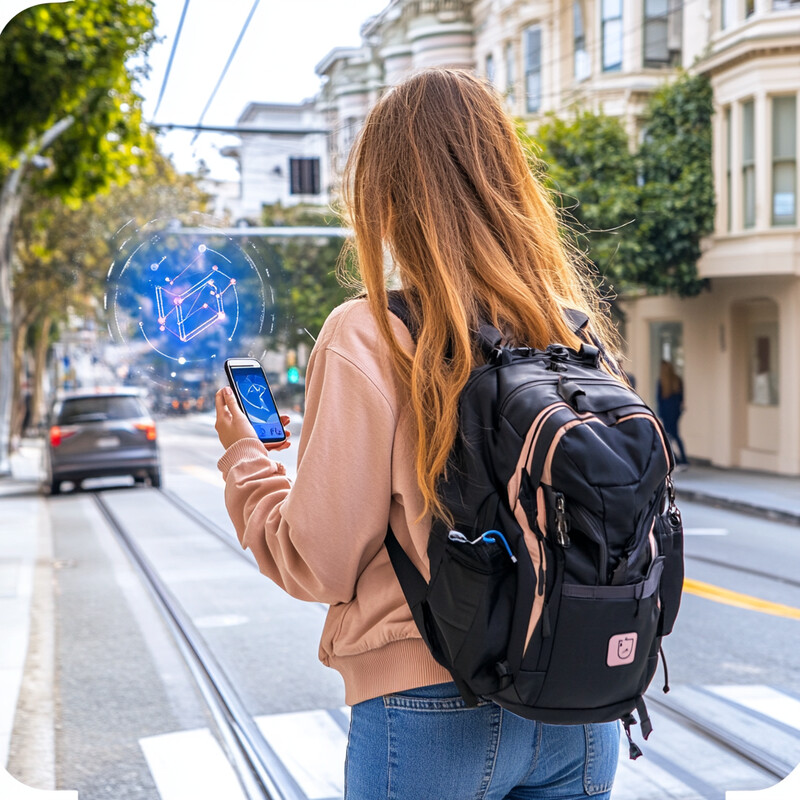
{"x":562,"y":535}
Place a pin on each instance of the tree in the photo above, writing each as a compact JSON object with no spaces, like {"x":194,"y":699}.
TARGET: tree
{"x":589,"y":167}
{"x":64,"y":252}
{"x":308,"y":289}
{"x":676,"y":203}
{"x":639,"y":216}
{"x":66,"y":90}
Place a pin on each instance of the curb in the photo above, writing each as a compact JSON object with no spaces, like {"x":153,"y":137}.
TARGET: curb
{"x":727,"y":503}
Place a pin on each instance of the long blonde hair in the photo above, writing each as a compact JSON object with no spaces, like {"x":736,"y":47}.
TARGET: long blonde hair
{"x":439,"y":177}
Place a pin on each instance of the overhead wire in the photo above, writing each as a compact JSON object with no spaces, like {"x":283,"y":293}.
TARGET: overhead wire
{"x":171,"y":58}
{"x":224,"y":72}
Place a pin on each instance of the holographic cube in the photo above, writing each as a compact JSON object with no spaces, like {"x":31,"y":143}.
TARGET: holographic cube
{"x":187,"y":314}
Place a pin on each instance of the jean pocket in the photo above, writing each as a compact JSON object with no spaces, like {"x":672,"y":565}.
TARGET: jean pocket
{"x":440,"y":697}
{"x":602,"y":756}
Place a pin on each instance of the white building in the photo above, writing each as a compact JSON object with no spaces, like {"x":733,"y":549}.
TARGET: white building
{"x":284,"y":160}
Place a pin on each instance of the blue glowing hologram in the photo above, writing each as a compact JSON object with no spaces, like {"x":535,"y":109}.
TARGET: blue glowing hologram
{"x":181,"y":301}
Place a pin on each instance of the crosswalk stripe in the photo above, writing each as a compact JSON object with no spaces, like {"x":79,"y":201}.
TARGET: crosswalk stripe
{"x":311,"y":745}
{"x":765,"y":700}
{"x":190,"y":764}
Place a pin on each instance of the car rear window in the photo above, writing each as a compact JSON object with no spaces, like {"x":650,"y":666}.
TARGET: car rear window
{"x":99,"y":409}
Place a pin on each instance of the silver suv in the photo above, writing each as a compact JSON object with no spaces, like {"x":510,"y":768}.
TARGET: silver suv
{"x":97,"y":433}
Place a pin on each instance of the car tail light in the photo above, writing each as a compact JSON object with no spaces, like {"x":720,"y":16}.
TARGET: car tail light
{"x":149,"y":428}
{"x":58,"y":434}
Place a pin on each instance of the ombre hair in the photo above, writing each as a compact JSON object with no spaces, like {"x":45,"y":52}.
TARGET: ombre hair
{"x":439,"y":178}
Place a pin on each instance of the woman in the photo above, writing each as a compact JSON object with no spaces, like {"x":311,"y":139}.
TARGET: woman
{"x":670,"y":406}
{"x":439,"y":181}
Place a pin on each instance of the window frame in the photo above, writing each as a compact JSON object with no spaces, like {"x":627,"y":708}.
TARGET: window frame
{"x":605,"y":26}
{"x":581,"y":62}
{"x":533,"y":102}
{"x":781,"y":160}
{"x":748,"y":162}
{"x":297,"y":177}
{"x":509,"y":51}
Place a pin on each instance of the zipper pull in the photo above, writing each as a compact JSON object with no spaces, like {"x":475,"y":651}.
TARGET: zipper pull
{"x":562,"y":535}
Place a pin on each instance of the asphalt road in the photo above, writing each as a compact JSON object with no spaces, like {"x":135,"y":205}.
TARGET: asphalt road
{"x":125,"y":696}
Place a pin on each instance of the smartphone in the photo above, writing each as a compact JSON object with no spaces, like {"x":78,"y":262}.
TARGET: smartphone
{"x":249,"y":383}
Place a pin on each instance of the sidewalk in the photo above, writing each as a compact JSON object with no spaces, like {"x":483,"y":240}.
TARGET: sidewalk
{"x":771,"y":496}
{"x":26,"y":657}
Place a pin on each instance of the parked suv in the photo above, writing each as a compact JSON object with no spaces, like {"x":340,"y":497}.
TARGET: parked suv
{"x":100,"y":432}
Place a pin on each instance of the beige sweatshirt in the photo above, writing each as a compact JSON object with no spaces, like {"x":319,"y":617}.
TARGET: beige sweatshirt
{"x":321,"y":538}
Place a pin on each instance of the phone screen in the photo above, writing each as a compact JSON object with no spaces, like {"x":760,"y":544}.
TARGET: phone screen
{"x":257,"y":402}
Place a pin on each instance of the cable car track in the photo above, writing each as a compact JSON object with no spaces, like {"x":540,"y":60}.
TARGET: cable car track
{"x":260,"y":773}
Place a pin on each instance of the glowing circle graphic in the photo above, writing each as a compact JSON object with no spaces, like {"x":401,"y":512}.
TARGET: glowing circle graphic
{"x":181,"y":301}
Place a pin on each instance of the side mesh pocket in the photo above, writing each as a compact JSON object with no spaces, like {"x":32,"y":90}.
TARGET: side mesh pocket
{"x":471,"y":600}
{"x":669,"y":535}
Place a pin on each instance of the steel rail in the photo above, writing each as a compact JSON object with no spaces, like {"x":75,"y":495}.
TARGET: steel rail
{"x":207,"y":524}
{"x":737,"y":745}
{"x":260,"y":772}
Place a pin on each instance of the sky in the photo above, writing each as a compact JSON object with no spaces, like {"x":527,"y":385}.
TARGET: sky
{"x":275,"y":62}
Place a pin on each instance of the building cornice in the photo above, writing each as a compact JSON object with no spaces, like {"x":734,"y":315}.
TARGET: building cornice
{"x":746,"y":49}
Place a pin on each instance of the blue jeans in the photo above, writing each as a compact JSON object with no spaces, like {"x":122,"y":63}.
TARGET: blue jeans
{"x":425,"y":744}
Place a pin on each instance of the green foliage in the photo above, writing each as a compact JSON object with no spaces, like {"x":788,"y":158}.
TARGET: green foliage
{"x":64,"y":251}
{"x":593,"y":177}
{"x":676,"y":207}
{"x":307,"y":288}
{"x":73,"y":59}
{"x":638,"y":216}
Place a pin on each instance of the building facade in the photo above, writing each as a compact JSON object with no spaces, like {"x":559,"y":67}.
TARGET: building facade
{"x":735,"y":345}
{"x":284,"y":160}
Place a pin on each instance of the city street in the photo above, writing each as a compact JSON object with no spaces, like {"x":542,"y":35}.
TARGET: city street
{"x":131,"y":722}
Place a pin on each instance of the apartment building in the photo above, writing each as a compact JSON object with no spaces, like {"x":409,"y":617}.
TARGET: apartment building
{"x":735,"y":345}
{"x":284,"y":160}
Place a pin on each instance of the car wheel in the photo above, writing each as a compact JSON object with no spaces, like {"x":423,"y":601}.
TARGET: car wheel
{"x":155,"y":478}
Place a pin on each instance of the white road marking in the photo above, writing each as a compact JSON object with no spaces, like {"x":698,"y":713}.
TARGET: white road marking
{"x":220,"y":620}
{"x":312,"y":747}
{"x":190,"y":764}
{"x":765,"y":700}
{"x":705,"y":532}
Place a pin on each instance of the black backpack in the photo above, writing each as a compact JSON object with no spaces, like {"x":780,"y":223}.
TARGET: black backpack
{"x":564,"y":567}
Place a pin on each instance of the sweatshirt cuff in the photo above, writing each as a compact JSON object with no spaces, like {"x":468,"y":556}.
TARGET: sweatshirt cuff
{"x":248,"y":449}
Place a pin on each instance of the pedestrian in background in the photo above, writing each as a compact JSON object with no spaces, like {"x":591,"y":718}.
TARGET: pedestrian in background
{"x":439,"y":181}
{"x":670,"y":406}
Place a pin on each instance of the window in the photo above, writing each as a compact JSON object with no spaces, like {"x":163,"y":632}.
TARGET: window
{"x":728,"y":167}
{"x":780,"y":5}
{"x":533,"y":69}
{"x":749,"y":8}
{"x":581,"y":56}
{"x":490,"y":68}
{"x":784,"y":160}
{"x":511,"y":74}
{"x":612,"y":35}
{"x":728,"y":14}
{"x":304,"y":176}
{"x":764,"y":363}
{"x":749,"y":164}
{"x":663,"y":30}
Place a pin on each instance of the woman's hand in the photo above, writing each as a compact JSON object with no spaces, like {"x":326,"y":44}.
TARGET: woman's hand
{"x":232,"y":425}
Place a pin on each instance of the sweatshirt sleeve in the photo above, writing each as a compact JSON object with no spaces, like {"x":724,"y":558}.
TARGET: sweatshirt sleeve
{"x":315,"y":537}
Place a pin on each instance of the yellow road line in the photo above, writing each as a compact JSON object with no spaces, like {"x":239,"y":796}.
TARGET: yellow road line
{"x":729,"y":598}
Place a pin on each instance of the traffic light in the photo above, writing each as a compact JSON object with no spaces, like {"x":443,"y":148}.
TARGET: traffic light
{"x":293,"y":375}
